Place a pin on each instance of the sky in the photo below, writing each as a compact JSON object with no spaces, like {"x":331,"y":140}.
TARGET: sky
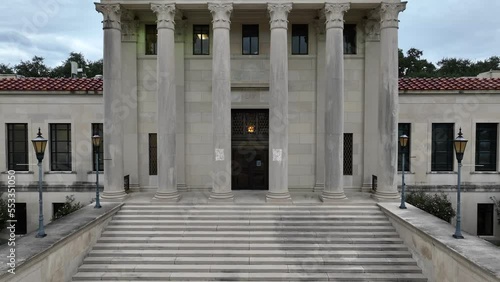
{"x":54,"y":28}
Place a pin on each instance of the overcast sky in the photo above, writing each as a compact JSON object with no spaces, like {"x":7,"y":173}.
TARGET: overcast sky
{"x":53,"y":28}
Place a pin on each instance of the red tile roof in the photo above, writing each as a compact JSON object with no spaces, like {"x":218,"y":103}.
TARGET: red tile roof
{"x":95,"y":85}
{"x":51,"y":84}
{"x":427,"y":84}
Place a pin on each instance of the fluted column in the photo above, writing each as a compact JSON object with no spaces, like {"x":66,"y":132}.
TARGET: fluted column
{"x":334,"y":113}
{"x":388,"y":102}
{"x":278,"y":103}
{"x":166,"y":122}
{"x":371,"y":96}
{"x":113,"y":119}
{"x":221,"y":101}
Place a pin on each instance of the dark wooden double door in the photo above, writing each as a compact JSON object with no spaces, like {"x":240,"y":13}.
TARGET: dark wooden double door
{"x":250,"y":149}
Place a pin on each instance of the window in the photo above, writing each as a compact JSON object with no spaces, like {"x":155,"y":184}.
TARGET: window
{"x":442,"y":147}
{"x":201,"y":40}
{"x":348,"y":153}
{"x":97,"y":129}
{"x":485,"y":219}
{"x":350,"y":39}
{"x":17,"y":146}
{"x":21,"y":219}
{"x":56,"y":207}
{"x":60,"y":147}
{"x":151,"y":39}
{"x":486,"y":146}
{"x":153,"y":164}
{"x":299,"y":39}
{"x":250,"y":39}
{"x":404,"y":128}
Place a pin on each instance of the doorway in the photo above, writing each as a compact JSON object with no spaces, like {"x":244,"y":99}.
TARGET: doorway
{"x":250,"y":149}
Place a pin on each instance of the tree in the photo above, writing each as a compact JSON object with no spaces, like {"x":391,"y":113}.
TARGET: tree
{"x":64,"y":70}
{"x":94,"y":68}
{"x":6,"y":69}
{"x":34,"y":68}
{"x":453,"y":67}
{"x":412,"y":65}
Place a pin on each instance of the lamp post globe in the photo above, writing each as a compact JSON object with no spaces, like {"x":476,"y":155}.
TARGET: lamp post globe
{"x":39,"y":144}
{"x":403,"y":142}
{"x":459,"y":144}
{"x":96,"y":141}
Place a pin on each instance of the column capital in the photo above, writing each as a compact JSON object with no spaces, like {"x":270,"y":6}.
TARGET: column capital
{"x":372,"y":26}
{"x":129,"y":26}
{"x":111,"y":15}
{"x":279,"y":14}
{"x":334,"y":13}
{"x":319,"y":25}
{"x":165,"y":14}
{"x":221,"y":14}
{"x":389,"y":14}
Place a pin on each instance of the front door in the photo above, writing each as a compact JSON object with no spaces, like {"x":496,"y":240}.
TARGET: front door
{"x":250,"y":149}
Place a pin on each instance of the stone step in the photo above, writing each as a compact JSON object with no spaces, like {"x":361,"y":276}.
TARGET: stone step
{"x":280,"y":228}
{"x":253,"y":253}
{"x":250,"y":260}
{"x":245,"y":246}
{"x":250,"y":234}
{"x":177,"y":212}
{"x":267,"y":240}
{"x":222,"y":276}
{"x":253,"y":223}
{"x":243,"y":207}
{"x":158,"y":268}
{"x":328,"y":217}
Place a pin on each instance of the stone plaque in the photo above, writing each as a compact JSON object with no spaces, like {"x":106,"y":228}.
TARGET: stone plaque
{"x":277,"y":155}
{"x":219,"y":154}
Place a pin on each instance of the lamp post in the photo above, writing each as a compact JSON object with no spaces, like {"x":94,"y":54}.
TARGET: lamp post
{"x":96,"y":141}
{"x":39,"y":143}
{"x":459,"y":143}
{"x":403,"y":142}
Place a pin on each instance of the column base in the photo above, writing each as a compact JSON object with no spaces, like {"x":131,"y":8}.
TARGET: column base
{"x":115,"y":195}
{"x":318,"y":187}
{"x":367,"y":187}
{"x":328,"y":197}
{"x":278,"y":198}
{"x":182,"y":187}
{"x":167,"y":196}
{"x":218,"y":197}
{"x":382,"y":196}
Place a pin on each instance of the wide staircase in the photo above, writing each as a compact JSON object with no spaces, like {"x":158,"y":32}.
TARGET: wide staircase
{"x":158,"y":242}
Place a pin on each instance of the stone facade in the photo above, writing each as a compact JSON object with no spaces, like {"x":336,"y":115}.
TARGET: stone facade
{"x":187,"y":99}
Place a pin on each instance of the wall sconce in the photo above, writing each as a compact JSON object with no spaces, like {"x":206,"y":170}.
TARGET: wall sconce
{"x":251,"y":129}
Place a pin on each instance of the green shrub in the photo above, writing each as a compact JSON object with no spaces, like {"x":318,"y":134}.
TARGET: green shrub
{"x":437,"y":204}
{"x":4,"y":215}
{"x":68,"y":207}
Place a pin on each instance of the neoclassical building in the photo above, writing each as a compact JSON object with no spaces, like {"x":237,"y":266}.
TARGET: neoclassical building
{"x":250,"y":94}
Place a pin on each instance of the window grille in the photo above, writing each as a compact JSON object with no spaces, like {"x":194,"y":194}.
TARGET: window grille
{"x":348,"y":153}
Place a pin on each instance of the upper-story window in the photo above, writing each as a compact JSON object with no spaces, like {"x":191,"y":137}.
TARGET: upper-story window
{"x":350,"y":39}
{"x":442,"y":147}
{"x":17,"y":146}
{"x":201,"y":40}
{"x":250,"y":42}
{"x":486,"y":146}
{"x":60,"y":147}
{"x":299,"y":39}
{"x":404,"y":129}
{"x":151,"y":39}
{"x":97,"y":128}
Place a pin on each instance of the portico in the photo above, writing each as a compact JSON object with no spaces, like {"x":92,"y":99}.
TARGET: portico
{"x":314,"y":98}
